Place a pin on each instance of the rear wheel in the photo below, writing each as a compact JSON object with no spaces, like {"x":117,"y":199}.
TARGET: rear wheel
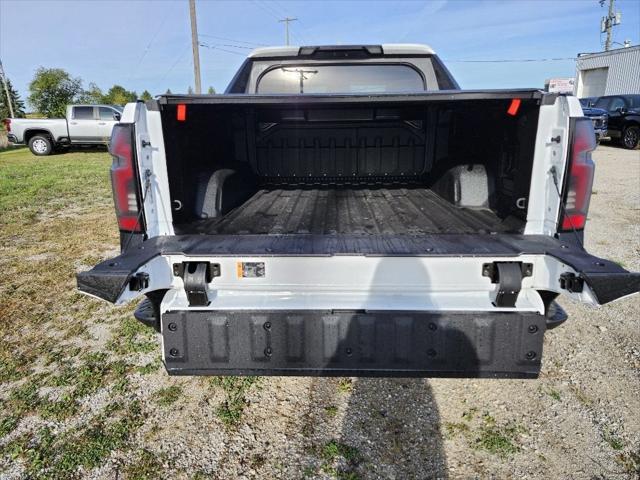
{"x":631,"y":137}
{"x":40,"y":145}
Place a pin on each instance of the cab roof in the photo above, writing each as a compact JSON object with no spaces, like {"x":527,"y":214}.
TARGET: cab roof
{"x":369,"y":50}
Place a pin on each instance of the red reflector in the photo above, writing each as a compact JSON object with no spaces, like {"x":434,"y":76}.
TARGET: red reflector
{"x":514,"y":107}
{"x":181,"y":112}
{"x":575,"y":221}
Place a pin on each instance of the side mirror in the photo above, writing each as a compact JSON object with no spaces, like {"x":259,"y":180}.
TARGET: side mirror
{"x":621,"y":110}
{"x":116,"y":116}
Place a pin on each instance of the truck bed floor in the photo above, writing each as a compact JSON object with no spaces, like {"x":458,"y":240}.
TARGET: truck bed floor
{"x":366,"y":211}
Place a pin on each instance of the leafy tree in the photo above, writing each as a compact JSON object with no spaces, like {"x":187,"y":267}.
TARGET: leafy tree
{"x":190,"y":91}
{"x":52,"y":89}
{"x":146,"y":96}
{"x":16,"y":102}
{"x":168,"y":92}
{"x":92,"y":95}
{"x":211,"y":91}
{"x":118,"y":95}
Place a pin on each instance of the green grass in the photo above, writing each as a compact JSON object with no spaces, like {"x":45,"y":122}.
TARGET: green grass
{"x":497,"y":439}
{"x":453,"y":429}
{"x":132,"y":336}
{"x":331,"y":410}
{"x":166,"y":396}
{"x":345,"y":385}
{"x":612,"y":440}
{"x":332,"y":452}
{"x":56,"y":213}
{"x":8,"y":424}
{"x":148,"y":466}
{"x":235,"y":389}
{"x":335,"y":449}
{"x":27,"y":182}
{"x":551,"y":392}
{"x":47,"y":455}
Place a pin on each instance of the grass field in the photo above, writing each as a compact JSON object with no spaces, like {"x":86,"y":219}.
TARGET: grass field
{"x":56,"y":350}
{"x":83,"y":393}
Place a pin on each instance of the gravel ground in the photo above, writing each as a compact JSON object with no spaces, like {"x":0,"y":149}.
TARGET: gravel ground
{"x":580,"y":419}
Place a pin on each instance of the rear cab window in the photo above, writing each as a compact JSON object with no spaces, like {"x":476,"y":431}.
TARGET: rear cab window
{"x":83,"y":113}
{"x":307,"y":78}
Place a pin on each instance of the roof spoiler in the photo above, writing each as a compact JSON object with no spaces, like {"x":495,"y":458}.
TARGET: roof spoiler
{"x":341,"y":51}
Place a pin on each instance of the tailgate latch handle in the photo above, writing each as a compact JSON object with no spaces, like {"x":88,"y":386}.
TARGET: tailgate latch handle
{"x":196,"y":276}
{"x":508,"y":276}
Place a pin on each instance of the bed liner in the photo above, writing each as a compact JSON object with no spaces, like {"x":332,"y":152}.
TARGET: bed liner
{"x":361,"y":211}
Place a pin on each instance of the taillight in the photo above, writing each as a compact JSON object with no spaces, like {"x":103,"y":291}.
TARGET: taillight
{"x":7,"y":124}
{"x":580,"y":180}
{"x":124,"y":181}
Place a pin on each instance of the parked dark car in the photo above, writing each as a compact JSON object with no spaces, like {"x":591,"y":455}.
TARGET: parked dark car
{"x":624,"y":118}
{"x":588,"y":101}
{"x":598,"y":117}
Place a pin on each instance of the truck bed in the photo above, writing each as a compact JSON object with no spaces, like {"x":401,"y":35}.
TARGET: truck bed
{"x":365,"y":211}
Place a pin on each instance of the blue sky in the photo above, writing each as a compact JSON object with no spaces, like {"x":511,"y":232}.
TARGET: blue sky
{"x":146,"y":44}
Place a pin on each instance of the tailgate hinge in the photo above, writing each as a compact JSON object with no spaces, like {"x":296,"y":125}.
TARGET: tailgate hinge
{"x":196,"y":276}
{"x":508,"y":276}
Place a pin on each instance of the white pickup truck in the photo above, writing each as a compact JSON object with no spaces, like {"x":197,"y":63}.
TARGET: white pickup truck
{"x":349,"y":211}
{"x":83,"y":125}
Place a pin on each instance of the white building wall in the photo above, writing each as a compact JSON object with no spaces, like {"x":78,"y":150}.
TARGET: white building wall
{"x":624,"y":70}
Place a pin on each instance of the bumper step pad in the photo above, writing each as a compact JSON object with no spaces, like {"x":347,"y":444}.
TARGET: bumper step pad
{"x":324,"y":343}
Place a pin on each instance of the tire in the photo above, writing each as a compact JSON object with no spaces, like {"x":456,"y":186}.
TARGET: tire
{"x":40,"y":145}
{"x":631,"y":137}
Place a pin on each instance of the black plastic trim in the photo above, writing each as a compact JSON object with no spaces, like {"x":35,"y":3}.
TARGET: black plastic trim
{"x":365,"y":344}
{"x":310,"y":99}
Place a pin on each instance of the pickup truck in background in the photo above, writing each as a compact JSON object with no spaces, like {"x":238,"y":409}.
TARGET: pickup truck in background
{"x":348,"y":210}
{"x":598,"y":117}
{"x":623,"y":118}
{"x":83,"y":125}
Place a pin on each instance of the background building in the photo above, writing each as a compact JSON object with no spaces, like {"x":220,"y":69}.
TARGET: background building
{"x":615,"y":72}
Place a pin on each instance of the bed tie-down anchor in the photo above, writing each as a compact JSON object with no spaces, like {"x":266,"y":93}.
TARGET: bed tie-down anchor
{"x":508,"y":276}
{"x":196,"y":276}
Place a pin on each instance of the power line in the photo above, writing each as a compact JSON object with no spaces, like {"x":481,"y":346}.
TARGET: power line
{"x":148,"y":47}
{"x":215,"y":47}
{"x":524,"y":60}
{"x":264,"y":9}
{"x":173,"y":65}
{"x":224,"y":45}
{"x":233,"y":40}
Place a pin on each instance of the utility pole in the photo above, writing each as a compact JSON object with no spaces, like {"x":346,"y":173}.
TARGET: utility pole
{"x":6,"y":89}
{"x":607,"y":23}
{"x":286,"y":21}
{"x":195,"y":45}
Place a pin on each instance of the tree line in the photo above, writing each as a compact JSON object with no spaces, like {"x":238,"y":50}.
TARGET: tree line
{"x":52,"y":89}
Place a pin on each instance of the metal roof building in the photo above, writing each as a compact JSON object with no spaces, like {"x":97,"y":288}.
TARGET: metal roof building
{"x":616,"y":72}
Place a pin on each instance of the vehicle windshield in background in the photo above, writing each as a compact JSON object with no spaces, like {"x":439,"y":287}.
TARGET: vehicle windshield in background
{"x":296,"y":79}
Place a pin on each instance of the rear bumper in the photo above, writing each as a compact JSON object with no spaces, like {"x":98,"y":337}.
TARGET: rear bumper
{"x":12,"y":138}
{"x":326,"y":343}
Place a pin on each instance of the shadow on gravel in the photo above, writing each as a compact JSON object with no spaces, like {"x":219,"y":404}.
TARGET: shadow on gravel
{"x":395,"y":425}
{"x":394,"y":422}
